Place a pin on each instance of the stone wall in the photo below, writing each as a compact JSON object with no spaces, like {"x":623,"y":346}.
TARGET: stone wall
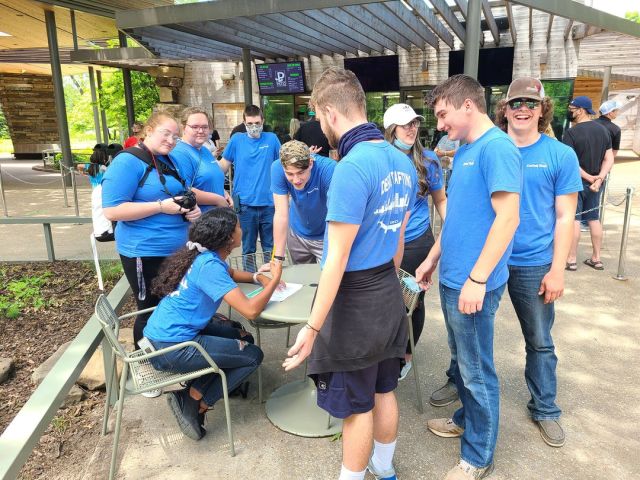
{"x":28,"y":104}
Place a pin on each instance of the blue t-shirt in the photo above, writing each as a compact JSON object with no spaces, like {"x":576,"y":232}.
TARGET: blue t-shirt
{"x":550,"y":169}
{"x":252,"y":159}
{"x":201,"y":164}
{"x":373,"y":186}
{"x":182,"y":314}
{"x":157,"y":235}
{"x":490,"y":164}
{"x":419,"y":220}
{"x":308,"y":207}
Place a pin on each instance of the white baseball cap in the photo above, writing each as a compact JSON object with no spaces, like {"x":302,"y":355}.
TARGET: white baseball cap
{"x":399,"y":114}
{"x":609,"y":106}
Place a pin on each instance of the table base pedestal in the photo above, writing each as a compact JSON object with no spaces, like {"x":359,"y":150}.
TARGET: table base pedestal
{"x":293,"y":408}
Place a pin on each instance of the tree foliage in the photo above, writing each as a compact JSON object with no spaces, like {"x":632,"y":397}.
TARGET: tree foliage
{"x":4,"y":128}
{"x":633,"y":16}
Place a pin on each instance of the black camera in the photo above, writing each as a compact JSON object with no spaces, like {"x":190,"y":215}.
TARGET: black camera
{"x":188,"y":201}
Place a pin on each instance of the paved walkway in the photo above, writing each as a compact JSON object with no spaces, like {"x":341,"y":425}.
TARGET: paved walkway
{"x":597,"y":334}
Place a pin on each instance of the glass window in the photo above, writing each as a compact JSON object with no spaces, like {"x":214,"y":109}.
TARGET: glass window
{"x":561,"y":92}
{"x":278,"y":111}
{"x":377,"y":104}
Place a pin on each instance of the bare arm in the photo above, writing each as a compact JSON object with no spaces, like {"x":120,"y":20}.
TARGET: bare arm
{"x":505,"y":206}
{"x":250,"y":308}
{"x":280,"y":223}
{"x":440,"y":201}
{"x":129,"y":211}
{"x":397,"y":258}
{"x":552,"y":286}
{"x":209,"y":198}
{"x":339,"y":242}
{"x":224,"y":164}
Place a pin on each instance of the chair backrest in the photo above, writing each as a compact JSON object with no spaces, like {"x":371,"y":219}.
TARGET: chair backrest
{"x":410,"y":290}
{"x":109,"y":322}
{"x":251,"y":262}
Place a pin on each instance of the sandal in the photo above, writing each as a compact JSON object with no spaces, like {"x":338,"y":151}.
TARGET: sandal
{"x":595,"y":264}
{"x":571,"y":266}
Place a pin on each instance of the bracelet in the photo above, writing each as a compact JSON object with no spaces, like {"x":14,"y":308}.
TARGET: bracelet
{"x":160,"y":204}
{"x":255,"y":278}
{"x":308,"y":325}
{"x":476,"y":281}
{"x":278,"y":257}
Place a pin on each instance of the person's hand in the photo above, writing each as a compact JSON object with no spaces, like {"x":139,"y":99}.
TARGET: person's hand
{"x":552,"y":286}
{"x":424,"y":273}
{"x":193,"y":214}
{"x":228,"y":198}
{"x":170,"y":207}
{"x":275,"y":267}
{"x":301,"y":349}
{"x":596,"y":184}
{"x":438,"y":152}
{"x":313,"y":149}
{"x":263,"y":279}
{"x":264,"y":268}
{"x":471,"y":297}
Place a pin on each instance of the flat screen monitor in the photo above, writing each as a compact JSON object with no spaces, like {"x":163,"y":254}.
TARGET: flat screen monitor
{"x":280,"y":78}
{"x":376,"y":74}
{"x":495,"y":65}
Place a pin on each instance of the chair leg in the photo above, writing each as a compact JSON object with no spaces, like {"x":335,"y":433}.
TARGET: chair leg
{"x":109,"y":382}
{"x":259,"y":367}
{"x":415,"y":365}
{"x":227,"y":412}
{"x":288,"y":336}
{"x":116,"y":434}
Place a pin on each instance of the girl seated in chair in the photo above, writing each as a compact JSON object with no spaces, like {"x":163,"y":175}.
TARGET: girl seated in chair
{"x":192,"y":284}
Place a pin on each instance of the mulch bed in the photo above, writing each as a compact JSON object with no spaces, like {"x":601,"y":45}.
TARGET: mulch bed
{"x":70,"y":291}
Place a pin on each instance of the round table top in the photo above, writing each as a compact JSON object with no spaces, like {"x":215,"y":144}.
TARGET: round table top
{"x":297,"y":307}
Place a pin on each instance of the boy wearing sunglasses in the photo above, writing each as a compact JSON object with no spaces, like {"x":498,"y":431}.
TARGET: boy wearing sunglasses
{"x":542,"y":241}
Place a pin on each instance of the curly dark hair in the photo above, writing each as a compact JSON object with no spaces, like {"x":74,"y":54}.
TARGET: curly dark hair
{"x":543,"y":122}
{"x":213,"y":230}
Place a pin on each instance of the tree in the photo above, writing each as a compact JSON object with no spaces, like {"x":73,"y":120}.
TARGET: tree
{"x":4,"y":128}
{"x":633,"y":16}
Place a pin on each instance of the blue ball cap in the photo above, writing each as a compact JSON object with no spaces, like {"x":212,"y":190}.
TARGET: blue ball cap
{"x":583,"y":102}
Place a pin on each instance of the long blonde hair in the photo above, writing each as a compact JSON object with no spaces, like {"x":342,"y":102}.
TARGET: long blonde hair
{"x":294,"y":125}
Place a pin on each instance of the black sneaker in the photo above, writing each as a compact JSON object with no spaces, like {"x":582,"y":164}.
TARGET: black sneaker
{"x":445,"y":395}
{"x":185,"y":409}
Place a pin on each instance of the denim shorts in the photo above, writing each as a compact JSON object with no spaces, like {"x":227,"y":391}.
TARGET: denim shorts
{"x":588,"y":200}
{"x":343,"y":394}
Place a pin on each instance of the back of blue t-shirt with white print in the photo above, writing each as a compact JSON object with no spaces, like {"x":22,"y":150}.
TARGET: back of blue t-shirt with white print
{"x":373,"y":186}
{"x":490,"y":164}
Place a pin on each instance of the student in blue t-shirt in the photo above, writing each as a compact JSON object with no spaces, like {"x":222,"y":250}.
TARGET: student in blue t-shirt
{"x":196,"y":160}
{"x":252,"y":154}
{"x":473,"y":249}
{"x":542,"y":241}
{"x":193,"y":282}
{"x":142,"y":199}
{"x":299,"y":223}
{"x":356,"y":335}
{"x":401,"y":125}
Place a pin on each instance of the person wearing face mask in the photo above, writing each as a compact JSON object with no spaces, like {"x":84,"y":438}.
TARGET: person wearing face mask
{"x":252,"y":154}
{"x":143,"y":198}
{"x":196,"y":160}
{"x":401,"y":125}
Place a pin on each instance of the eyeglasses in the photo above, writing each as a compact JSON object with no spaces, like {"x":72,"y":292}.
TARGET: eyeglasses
{"x":412,"y":124}
{"x":517,"y":103}
{"x":199,"y":128}
{"x":166,"y":134}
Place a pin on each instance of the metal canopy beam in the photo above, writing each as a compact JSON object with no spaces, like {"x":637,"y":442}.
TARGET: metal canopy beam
{"x":358,"y":25}
{"x":584,"y":14}
{"x":447,"y":14}
{"x":220,"y":10}
{"x":188,"y":35}
{"x":378,"y":25}
{"x":87,"y":55}
{"x":462,"y":5}
{"x":410,"y":20}
{"x":512,"y":23}
{"x":491,"y":22}
{"x":179,"y":49}
{"x":390,"y":21}
{"x":87,"y":6}
{"x":422,"y":11}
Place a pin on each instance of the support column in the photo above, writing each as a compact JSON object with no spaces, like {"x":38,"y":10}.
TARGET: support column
{"x":128,"y":90}
{"x":58,"y":92}
{"x":94,"y":103}
{"x":103,"y":114}
{"x":247,"y":75}
{"x":472,"y":37}
{"x":606,"y":79}
{"x":74,"y":30}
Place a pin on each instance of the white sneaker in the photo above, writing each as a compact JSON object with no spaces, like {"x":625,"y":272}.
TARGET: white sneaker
{"x":405,"y":370}
{"x":152,"y":393}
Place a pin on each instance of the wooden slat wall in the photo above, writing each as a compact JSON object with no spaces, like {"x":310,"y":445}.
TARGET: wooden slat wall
{"x":610,"y":49}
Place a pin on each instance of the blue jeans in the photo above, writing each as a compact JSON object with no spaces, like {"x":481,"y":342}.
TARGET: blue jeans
{"x":256,"y":221}
{"x":471,"y":344}
{"x":237,"y":359}
{"x":536,"y":321}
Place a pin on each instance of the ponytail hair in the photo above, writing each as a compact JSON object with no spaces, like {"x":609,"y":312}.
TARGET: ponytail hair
{"x":212,"y":231}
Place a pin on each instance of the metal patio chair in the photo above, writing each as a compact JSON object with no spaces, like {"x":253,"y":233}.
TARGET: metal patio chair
{"x":410,"y":294}
{"x":138,"y":375}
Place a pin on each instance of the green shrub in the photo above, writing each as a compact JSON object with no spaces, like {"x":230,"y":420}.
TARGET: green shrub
{"x":23,"y":293}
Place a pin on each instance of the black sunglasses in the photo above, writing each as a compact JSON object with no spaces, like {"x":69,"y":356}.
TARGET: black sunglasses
{"x":517,"y":103}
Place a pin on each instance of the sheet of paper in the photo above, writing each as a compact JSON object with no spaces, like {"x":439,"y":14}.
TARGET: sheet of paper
{"x":290,"y":289}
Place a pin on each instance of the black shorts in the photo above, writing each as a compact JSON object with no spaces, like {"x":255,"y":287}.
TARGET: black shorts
{"x":343,"y":394}
{"x":588,"y":200}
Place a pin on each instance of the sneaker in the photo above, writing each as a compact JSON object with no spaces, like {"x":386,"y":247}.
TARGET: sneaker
{"x":406,"y":368}
{"x":465,"y":471}
{"x":444,"y":427}
{"x":152,"y":393}
{"x":445,"y":395}
{"x":551,"y":432}
{"x":185,"y":409}
{"x":584,"y":228}
{"x":386,"y":475}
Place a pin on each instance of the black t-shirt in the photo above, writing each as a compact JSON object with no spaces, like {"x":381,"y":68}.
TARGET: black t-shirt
{"x":215,"y":136}
{"x":614,"y":131}
{"x":590,"y":140}
{"x":242,"y":128}
{"x":311,"y":133}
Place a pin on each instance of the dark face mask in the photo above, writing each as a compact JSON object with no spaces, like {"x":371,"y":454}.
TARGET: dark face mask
{"x":570,"y":115}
